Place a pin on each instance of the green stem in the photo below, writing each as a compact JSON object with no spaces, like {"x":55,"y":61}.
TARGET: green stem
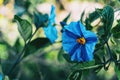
{"x":102,"y":45}
{"x":98,"y":49}
{"x":29,"y":41}
{"x":91,"y":67}
{"x":109,"y":50}
{"x":18,"y":60}
{"x":32,"y":36}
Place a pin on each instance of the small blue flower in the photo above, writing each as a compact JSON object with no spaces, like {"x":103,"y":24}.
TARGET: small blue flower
{"x":40,"y":19}
{"x":78,"y":42}
{"x":1,"y":76}
{"x":50,"y":31}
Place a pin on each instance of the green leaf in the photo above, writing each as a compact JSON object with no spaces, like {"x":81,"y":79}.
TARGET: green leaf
{"x":24,"y":28}
{"x":94,"y":15}
{"x":60,"y":57}
{"x":35,"y":45}
{"x":114,"y":55}
{"x":82,"y":15}
{"x":3,"y":52}
{"x":101,"y":32}
{"x":98,"y":69}
{"x":118,"y":51}
{"x":75,"y":75}
{"x":116,"y":31}
{"x":107,"y":18}
{"x":117,"y":35}
{"x":119,"y":57}
{"x":117,"y":70}
{"x":18,"y":46}
{"x":84,"y":65}
{"x":86,"y":73}
{"x":112,"y":40}
{"x":118,"y":20}
{"x":97,"y":59}
{"x":67,"y":57}
{"x":65,"y":20}
{"x":88,"y":24}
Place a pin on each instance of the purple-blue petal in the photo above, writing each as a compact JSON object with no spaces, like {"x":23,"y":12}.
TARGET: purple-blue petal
{"x":90,"y":49}
{"x":76,"y":56}
{"x":91,"y":40}
{"x":72,"y":35}
{"x":75,"y":47}
{"x":68,"y":42}
{"x":90,"y":37}
{"x":78,"y":52}
{"x":82,"y":29}
{"x":74,"y":28}
{"x":88,"y":34}
{"x":84,"y":54}
{"x":87,"y":52}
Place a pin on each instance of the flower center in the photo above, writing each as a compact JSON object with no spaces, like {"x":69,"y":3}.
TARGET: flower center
{"x":81,"y":40}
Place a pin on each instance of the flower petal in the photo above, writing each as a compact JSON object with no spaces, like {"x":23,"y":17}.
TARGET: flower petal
{"x":82,"y":29}
{"x":52,"y":15}
{"x":91,"y":40}
{"x":90,"y":37}
{"x":72,"y":35}
{"x":77,"y":55}
{"x":90,"y":50}
{"x":75,"y":47}
{"x":87,"y":52}
{"x":68,"y":42}
{"x":74,"y":28}
{"x":1,"y":77}
{"x":74,"y":57}
{"x":84,"y":54}
{"x":51,"y":33}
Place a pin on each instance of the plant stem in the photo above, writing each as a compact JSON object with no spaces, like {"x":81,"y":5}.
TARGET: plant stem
{"x":109,"y":50}
{"x":97,"y":49}
{"x":91,"y":67}
{"x":18,"y":60}
{"x":29,"y":41}
{"x":32,"y":36}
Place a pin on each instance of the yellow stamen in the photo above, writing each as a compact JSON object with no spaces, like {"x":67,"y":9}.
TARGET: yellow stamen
{"x":81,"y":40}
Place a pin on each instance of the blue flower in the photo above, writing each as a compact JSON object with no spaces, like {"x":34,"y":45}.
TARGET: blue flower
{"x":1,"y":76}
{"x":78,"y":42}
{"x":40,"y":19}
{"x":50,"y":31}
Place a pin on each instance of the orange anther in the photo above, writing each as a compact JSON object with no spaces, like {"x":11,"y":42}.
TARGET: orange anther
{"x":81,"y":40}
